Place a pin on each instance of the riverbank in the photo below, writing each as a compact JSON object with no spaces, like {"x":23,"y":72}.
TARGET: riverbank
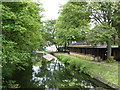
{"x":106,"y":73}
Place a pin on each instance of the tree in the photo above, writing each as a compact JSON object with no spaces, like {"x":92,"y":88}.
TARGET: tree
{"x":103,"y":14}
{"x":21,"y":25}
{"x":116,"y":18}
{"x":50,"y":31}
{"x":73,"y":22}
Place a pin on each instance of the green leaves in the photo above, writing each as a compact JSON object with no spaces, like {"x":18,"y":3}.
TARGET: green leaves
{"x":101,"y":33}
{"x":7,"y":13}
{"x":72,"y":22}
{"x":49,"y":33}
{"x":104,"y":14}
{"x":21,"y":25}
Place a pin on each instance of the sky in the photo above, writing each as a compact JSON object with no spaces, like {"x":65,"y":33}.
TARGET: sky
{"x":52,"y":8}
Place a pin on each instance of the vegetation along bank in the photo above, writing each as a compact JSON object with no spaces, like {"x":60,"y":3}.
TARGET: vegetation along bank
{"x":101,"y":71}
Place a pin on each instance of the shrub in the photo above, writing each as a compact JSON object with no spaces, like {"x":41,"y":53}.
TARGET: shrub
{"x":111,"y":59}
{"x":98,"y":59}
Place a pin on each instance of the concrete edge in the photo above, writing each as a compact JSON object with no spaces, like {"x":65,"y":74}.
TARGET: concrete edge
{"x":101,"y":79}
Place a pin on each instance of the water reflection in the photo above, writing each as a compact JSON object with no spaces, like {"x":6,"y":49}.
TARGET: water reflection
{"x":55,"y":75}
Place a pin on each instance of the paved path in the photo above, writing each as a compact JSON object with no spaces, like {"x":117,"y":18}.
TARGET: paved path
{"x":49,"y":57}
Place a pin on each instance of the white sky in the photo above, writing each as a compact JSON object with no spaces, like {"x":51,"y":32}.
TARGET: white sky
{"x":51,"y":8}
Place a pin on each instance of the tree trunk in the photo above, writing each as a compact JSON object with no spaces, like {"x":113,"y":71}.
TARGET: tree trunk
{"x":109,"y":49}
{"x":65,"y":46}
{"x":68,"y":43}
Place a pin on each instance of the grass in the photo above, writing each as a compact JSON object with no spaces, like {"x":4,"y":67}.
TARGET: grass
{"x":90,"y":58}
{"x":108,"y":72}
{"x":81,"y":56}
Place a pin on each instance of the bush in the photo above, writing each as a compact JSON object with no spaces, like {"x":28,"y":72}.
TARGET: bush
{"x":111,"y":59}
{"x":98,"y":59}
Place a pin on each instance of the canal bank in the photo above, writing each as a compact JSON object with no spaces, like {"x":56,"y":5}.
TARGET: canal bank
{"x":106,"y":74}
{"x":50,"y":73}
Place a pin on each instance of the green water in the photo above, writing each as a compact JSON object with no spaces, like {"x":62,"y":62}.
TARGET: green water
{"x":53,"y":74}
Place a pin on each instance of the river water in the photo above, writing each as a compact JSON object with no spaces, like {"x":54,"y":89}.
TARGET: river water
{"x":54,"y":74}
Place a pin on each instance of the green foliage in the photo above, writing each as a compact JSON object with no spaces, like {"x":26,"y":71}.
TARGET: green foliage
{"x":75,"y":63}
{"x":101,"y":70}
{"x":23,"y":23}
{"x":9,"y":83}
{"x":72,"y":22}
{"x":22,"y":26}
{"x":102,"y":33}
{"x":104,"y":16}
{"x":115,"y":17}
{"x":111,"y":59}
{"x":49,"y":33}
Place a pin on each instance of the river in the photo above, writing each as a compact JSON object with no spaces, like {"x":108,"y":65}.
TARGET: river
{"x":53,"y":74}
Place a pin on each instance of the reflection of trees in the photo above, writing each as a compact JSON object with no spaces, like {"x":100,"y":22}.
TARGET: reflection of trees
{"x":51,"y":75}
{"x":46,"y":75}
{"x":55,"y":75}
{"x":23,"y":77}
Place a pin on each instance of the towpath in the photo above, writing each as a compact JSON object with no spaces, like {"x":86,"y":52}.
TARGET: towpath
{"x":103,"y":63}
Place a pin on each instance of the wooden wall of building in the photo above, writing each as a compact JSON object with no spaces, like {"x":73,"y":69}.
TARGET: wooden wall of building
{"x":96,"y":51}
